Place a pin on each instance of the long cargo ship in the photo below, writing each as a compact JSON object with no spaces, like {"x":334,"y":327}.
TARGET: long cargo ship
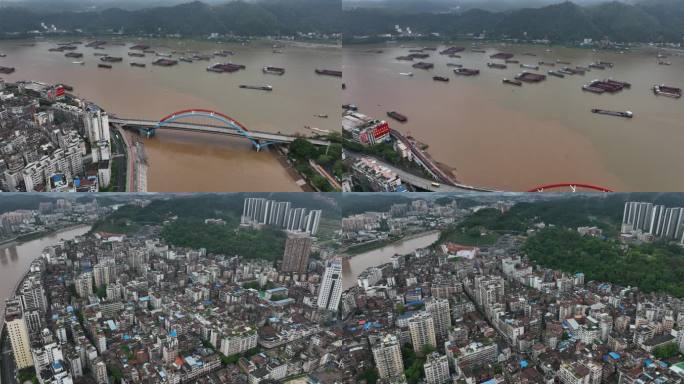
{"x":466,"y":72}
{"x":397,"y":116}
{"x":517,"y":83}
{"x":627,"y":114}
{"x":257,"y":87}
{"x":452,"y":50}
{"x":423,"y":65}
{"x":497,"y":65}
{"x":529,"y":66}
{"x":329,"y":72}
{"x":664,"y":90}
{"x":164,"y":62}
{"x":502,"y":56}
{"x":111,"y":59}
{"x":273,"y":70}
{"x":225,"y":67}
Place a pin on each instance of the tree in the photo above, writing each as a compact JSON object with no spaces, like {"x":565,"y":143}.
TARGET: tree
{"x":370,"y":375}
{"x":666,"y":351}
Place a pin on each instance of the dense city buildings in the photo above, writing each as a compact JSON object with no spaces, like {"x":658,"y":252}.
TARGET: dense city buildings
{"x":52,"y":142}
{"x":135,"y":306}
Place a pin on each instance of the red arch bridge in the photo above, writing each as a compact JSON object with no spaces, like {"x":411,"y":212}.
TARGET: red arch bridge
{"x":226,"y":126}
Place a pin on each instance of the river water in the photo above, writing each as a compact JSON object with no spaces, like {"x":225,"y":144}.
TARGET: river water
{"x":517,"y":138}
{"x":197,"y":162}
{"x":353,"y":266}
{"x":15,"y":259}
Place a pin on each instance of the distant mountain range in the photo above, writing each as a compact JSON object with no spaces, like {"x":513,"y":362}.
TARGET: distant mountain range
{"x":645,"y":21}
{"x":268,"y":17}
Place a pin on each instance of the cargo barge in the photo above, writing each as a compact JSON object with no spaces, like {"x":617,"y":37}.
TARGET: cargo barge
{"x":423,"y":65}
{"x":7,"y":70}
{"x":164,"y":62}
{"x":257,"y":87}
{"x":225,"y":67}
{"x":529,"y":66}
{"x":517,"y":83}
{"x":509,"y":61}
{"x":466,"y":72}
{"x":224,"y":53}
{"x":397,"y":116}
{"x":530,"y":77}
{"x":563,"y":62}
{"x":452,"y":50}
{"x":136,"y":54}
{"x":185,"y":59}
{"x":454,"y":56}
{"x":273,"y":70}
{"x":140,"y":47}
{"x":626,"y":114}
{"x":111,"y":59}
{"x":502,"y":56}
{"x":607,"y":85}
{"x":139,"y":65}
{"x":664,"y":90}
{"x":497,"y":65}
{"x":99,"y":54}
{"x":547,"y":63}
{"x":455,"y":65}
{"x":556,"y":74}
{"x":329,"y":72}
{"x":107,"y":66}
{"x":597,"y":66}
{"x":477,"y":50}
{"x":73,"y":55}
{"x":418,"y":55}
{"x":440,"y":78}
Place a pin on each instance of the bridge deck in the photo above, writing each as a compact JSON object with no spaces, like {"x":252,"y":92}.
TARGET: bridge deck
{"x":215,"y":129}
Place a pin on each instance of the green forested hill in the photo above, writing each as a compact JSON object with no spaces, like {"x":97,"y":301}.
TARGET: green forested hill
{"x":651,"y":20}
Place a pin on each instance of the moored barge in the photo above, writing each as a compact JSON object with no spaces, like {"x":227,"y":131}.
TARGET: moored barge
{"x":329,"y":72}
{"x":466,"y":72}
{"x":440,"y":78}
{"x":530,"y":77}
{"x":274,"y":70}
{"x":664,"y":90}
{"x":397,"y":116}
{"x":627,"y":114}
{"x":497,"y":65}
